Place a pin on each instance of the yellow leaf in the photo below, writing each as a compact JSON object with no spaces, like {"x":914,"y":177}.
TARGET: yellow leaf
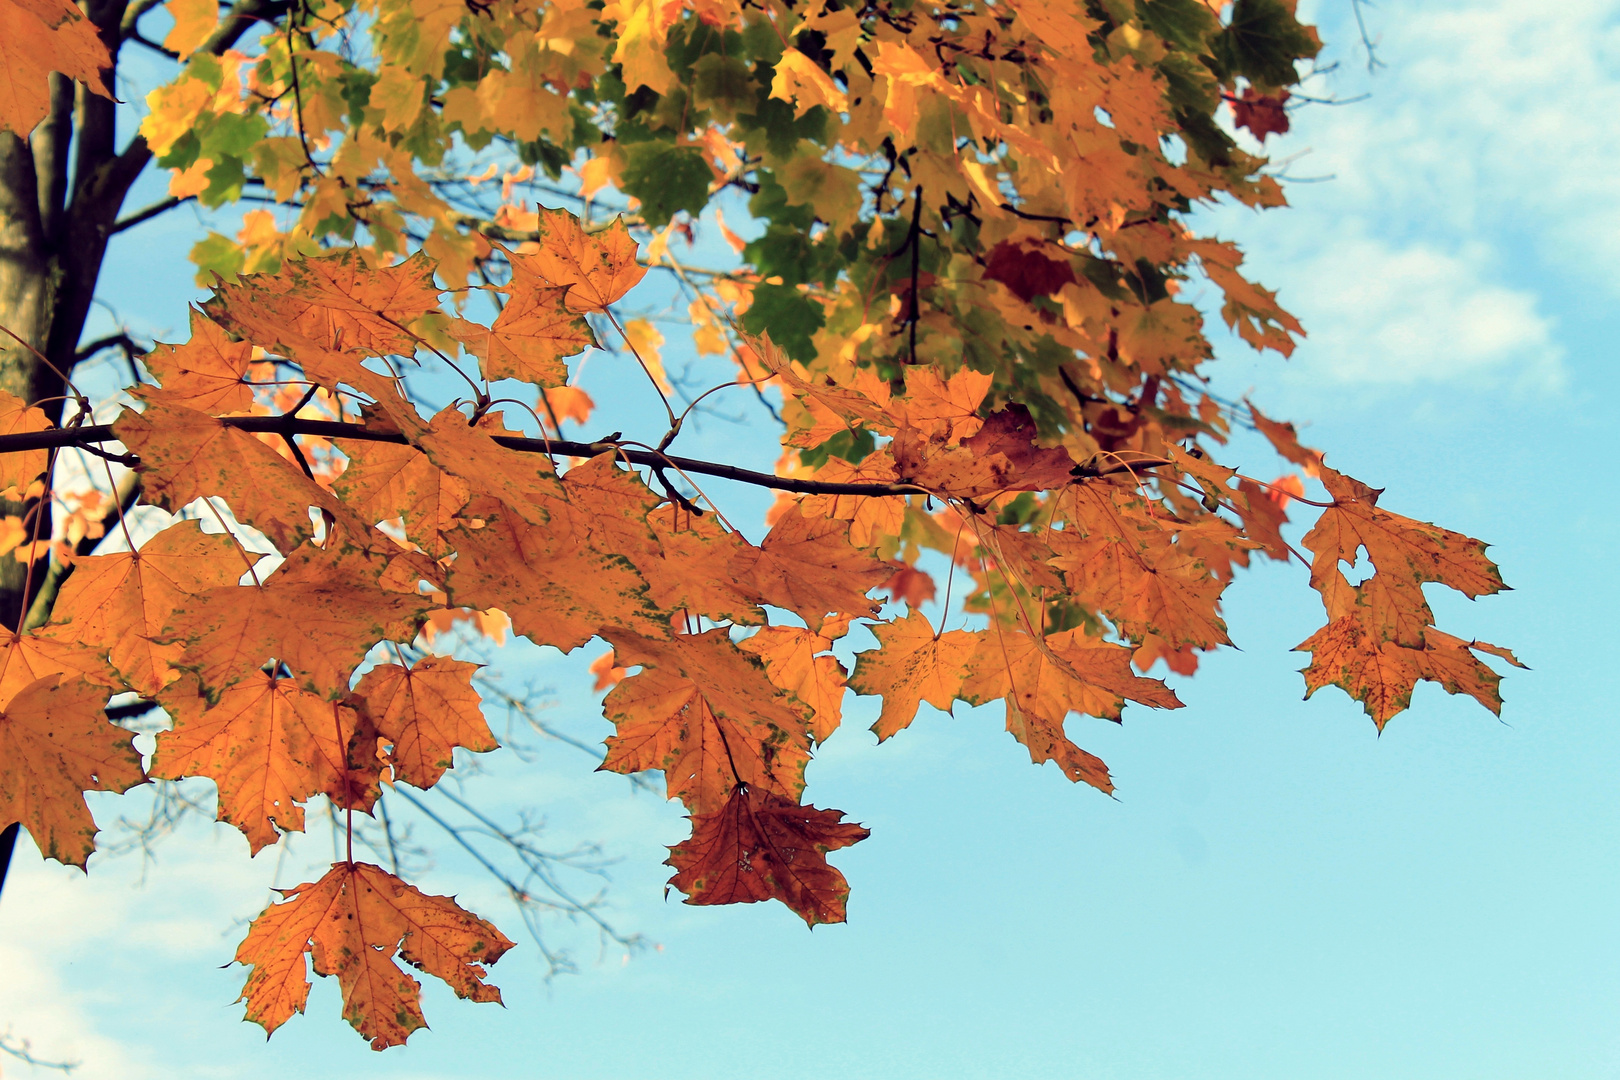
{"x":800,"y":81}
{"x":646,"y":341}
{"x":194,"y":20}
{"x":643,"y":26}
{"x":398,"y":94}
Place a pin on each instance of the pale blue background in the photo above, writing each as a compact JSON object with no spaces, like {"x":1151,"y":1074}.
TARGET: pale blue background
{"x":1276,"y":892}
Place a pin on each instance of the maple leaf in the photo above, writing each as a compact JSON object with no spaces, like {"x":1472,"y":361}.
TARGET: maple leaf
{"x":1285,"y":440}
{"x":426,"y":711}
{"x":123,"y":601}
{"x":607,"y":671}
{"x":187,"y":455}
{"x":56,"y":744}
{"x":705,"y":713}
{"x":529,"y":338}
{"x":1043,"y":681}
{"x":194,"y":21}
{"x":941,"y":408}
{"x":908,"y":584}
{"x":1010,"y":432}
{"x":1262,"y":114}
{"x":38,"y":37}
{"x":870,"y":520}
{"x":841,"y":407}
{"x":384,"y":481}
{"x":1381,"y":674}
{"x":1125,"y":564}
{"x":1026,"y":268}
{"x":694,"y":571}
{"x":761,"y":846}
{"x":800,"y":81}
{"x":526,"y":483}
{"x":794,"y":662}
{"x":267,"y":744}
{"x":27,"y":658}
{"x":19,"y":470}
{"x":353,"y":923}
{"x":913,"y":664}
{"x":557,"y":588}
{"x":1405,"y":553}
{"x":336,"y":299}
{"x":596,"y":268}
{"x":207,"y":373}
{"x":1000,"y":457}
{"x":319,"y":614}
{"x":808,"y":566}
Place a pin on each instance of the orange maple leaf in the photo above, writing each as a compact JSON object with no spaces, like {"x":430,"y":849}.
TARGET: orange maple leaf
{"x":527,"y":483}
{"x":319,"y":614}
{"x":56,"y":744}
{"x":123,"y":601}
{"x":913,"y":664}
{"x":426,"y":711}
{"x":704,"y":712}
{"x":19,"y":470}
{"x":1381,"y":673}
{"x":761,"y":846}
{"x":38,"y":37}
{"x":909,"y":585}
{"x":557,"y":588}
{"x":529,"y":338}
{"x":186,"y":455}
{"x":794,"y":662}
{"x":1043,"y":681}
{"x":596,"y":268}
{"x":1123,"y":563}
{"x":809,"y":567}
{"x":268,"y":745}
{"x":353,"y":923}
{"x":1405,"y":554}
{"x":26,"y":658}
{"x":608,"y":673}
{"x":694,"y":571}
{"x":384,"y":481}
{"x":335,"y":300}
{"x":208,"y":372}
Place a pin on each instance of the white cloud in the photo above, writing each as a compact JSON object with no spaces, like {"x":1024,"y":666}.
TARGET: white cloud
{"x":1400,"y":316}
{"x":1471,"y":193}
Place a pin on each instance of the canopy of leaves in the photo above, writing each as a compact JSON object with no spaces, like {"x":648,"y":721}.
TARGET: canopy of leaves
{"x":967,"y":297}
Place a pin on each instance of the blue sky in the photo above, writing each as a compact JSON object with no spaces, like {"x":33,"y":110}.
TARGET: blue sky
{"x":1276,"y":892}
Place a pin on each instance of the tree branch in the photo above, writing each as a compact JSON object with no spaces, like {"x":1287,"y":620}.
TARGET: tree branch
{"x":332,"y":429}
{"x":148,"y":213}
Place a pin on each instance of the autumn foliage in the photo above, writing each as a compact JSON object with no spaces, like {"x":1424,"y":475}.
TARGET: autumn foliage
{"x":967,"y":294}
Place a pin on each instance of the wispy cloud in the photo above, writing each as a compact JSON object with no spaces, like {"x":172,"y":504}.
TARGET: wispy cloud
{"x":1432,"y":251}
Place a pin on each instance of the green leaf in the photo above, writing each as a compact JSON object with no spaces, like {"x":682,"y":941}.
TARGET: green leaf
{"x":225,"y":179}
{"x":1183,"y":23}
{"x":666,"y":178}
{"x":216,"y":254}
{"x":233,"y":135}
{"x":723,"y":83}
{"x":1262,"y":42}
{"x":791,"y":318}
